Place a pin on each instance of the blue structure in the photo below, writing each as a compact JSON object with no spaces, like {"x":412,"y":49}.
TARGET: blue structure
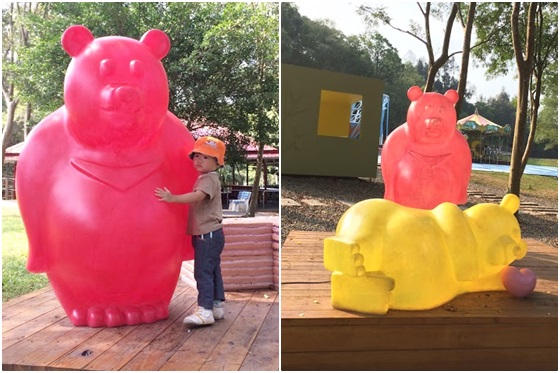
{"x":356,"y":117}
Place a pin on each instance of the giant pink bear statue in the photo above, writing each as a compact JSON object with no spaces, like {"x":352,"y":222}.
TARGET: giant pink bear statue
{"x":86,"y":178}
{"x":426,"y":161}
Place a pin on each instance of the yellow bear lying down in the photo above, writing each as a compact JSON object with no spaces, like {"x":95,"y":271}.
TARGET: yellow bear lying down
{"x":385,"y":255}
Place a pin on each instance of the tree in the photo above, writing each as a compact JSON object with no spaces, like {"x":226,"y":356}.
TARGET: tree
{"x":524,"y":59}
{"x":385,"y":63}
{"x":545,"y":55}
{"x":547,"y":132}
{"x":15,"y":41}
{"x":467,"y":31}
{"x":529,"y":38}
{"x":222,"y":67}
{"x":316,"y":45}
{"x":373,"y":16}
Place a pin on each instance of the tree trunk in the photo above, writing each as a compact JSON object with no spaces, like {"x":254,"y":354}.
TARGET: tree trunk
{"x":524,"y":61}
{"x":465,"y":58}
{"x":255,"y":193}
{"x":9,"y":127}
{"x":27,"y":120}
{"x":535,"y":104}
{"x":434,"y":66}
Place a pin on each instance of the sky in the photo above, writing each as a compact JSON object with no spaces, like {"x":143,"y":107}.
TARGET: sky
{"x":343,"y":15}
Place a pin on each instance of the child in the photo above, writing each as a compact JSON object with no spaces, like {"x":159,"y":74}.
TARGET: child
{"x":205,"y":226}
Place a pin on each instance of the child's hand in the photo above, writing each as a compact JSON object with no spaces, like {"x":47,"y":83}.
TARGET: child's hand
{"x":164,"y":194}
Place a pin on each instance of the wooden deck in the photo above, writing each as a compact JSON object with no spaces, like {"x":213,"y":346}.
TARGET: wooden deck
{"x":37,"y":335}
{"x":478,"y":331}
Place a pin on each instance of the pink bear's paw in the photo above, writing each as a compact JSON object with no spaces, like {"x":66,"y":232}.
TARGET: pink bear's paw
{"x":114,"y":317}
{"x":148,"y":313}
{"x":133,"y":315}
{"x":162,"y":311}
{"x":96,"y":317}
{"x":518,"y":283}
{"x":78,"y":317}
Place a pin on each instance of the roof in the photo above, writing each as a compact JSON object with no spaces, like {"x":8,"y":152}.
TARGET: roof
{"x":476,"y":122}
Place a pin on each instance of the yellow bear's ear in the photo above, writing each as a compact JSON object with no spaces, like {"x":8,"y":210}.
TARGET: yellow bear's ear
{"x":510,"y":202}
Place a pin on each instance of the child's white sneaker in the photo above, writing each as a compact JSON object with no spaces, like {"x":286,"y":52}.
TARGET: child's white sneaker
{"x":218,"y":310}
{"x":202,"y":316}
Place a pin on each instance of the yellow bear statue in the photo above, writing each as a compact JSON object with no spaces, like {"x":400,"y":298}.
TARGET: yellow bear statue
{"x":385,"y":255}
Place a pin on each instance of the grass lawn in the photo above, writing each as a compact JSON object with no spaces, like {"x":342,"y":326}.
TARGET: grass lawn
{"x":543,"y":162}
{"x":531,"y":185}
{"x":16,"y":280}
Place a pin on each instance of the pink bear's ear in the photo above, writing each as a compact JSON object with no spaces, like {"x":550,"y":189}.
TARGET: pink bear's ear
{"x":452,"y":96}
{"x":414,"y":93}
{"x":75,"y":39}
{"x":157,"y":41}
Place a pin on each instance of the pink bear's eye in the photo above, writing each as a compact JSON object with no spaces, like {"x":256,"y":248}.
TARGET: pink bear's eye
{"x":136,"y":68}
{"x":428,"y":108}
{"x":106,"y":67}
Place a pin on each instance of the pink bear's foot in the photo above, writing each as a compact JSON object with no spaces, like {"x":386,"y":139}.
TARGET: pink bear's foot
{"x":113,"y":316}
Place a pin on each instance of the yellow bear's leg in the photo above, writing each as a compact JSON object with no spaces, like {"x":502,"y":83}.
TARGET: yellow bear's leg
{"x":491,"y":282}
{"x":343,"y":255}
{"x":368,"y":294}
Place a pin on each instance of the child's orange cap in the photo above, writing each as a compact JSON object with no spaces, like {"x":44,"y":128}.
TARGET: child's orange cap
{"x":211,"y":147}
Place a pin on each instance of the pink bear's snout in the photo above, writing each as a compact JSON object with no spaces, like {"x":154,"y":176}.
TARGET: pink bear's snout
{"x":432,"y":123}
{"x":128,"y":95}
{"x":122,"y":98}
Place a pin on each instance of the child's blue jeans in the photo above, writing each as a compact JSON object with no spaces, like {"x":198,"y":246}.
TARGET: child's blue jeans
{"x":207,"y":273}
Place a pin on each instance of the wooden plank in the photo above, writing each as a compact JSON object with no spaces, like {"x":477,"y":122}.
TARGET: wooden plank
{"x":49,"y":341}
{"x":441,"y":360}
{"x":85,"y":353}
{"x":41,"y":349}
{"x":410,"y":337}
{"x":120,"y":353}
{"x":81,"y":355}
{"x":29,"y":312}
{"x":31,"y":327}
{"x":194,"y":353}
{"x":40,"y":297}
{"x":234,"y":347}
{"x":23,"y":298}
{"x":263,"y":354}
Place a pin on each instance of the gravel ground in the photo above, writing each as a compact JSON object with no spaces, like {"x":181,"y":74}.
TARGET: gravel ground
{"x":337,"y":193}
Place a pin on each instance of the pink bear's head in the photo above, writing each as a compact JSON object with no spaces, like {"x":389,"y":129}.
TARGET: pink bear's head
{"x":431,"y":117}
{"x":115,"y":91}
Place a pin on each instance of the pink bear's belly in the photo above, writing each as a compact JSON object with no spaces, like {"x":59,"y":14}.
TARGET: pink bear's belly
{"x":107,"y":247}
{"x":421,"y":185}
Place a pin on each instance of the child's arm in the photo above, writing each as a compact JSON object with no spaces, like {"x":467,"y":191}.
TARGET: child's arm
{"x":192,"y":197}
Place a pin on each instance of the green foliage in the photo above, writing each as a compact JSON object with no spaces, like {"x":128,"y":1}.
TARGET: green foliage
{"x":16,"y":280}
{"x":547,"y":129}
{"x":222,"y":66}
{"x":493,"y":24}
{"x":318,"y":45}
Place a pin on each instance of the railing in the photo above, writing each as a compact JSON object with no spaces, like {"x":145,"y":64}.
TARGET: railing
{"x":8,"y":188}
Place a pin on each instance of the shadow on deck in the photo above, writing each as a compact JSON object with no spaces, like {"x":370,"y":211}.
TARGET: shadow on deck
{"x":37,"y":335}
